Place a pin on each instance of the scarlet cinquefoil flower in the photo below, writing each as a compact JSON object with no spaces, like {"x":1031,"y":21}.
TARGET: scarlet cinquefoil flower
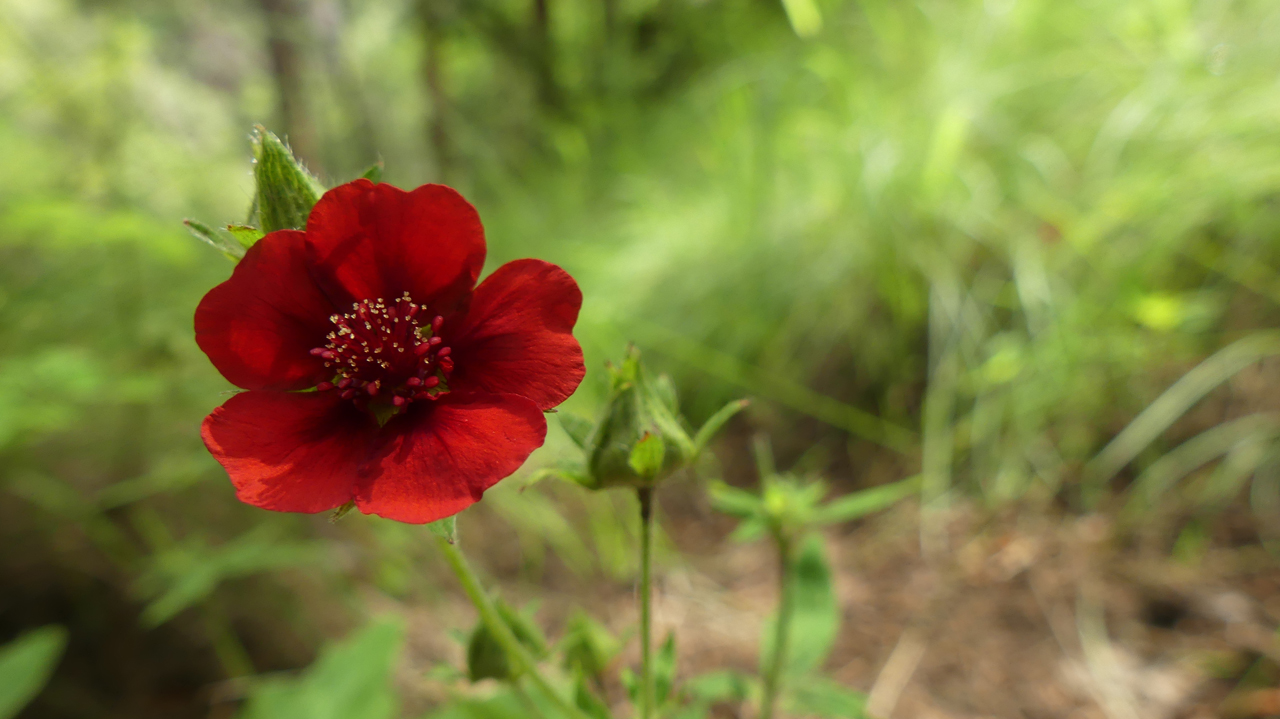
{"x":427,"y":389}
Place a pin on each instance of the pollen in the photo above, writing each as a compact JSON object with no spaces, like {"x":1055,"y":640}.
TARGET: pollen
{"x":367,"y":352}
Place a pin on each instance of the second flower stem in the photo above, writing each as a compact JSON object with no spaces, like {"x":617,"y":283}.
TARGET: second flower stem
{"x":781,"y":631}
{"x":645,"y":495}
{"x":522,"y":662}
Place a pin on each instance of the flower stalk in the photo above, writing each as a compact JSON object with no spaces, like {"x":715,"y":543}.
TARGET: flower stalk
{"x":521,"y":661}
{"x":645,"y":495}
{"x":781,"y":630}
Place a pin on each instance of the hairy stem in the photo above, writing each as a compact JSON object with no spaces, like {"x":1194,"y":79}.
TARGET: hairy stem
{"x":522,"y":662}
{"x":781,"y":631}
{"x":645,"y":495}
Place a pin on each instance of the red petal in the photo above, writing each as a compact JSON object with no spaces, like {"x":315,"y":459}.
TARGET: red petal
{"x":440,"y":457}
{"x":259,"y":326}
{"x":367,"y":241}
{"x":290,"y":452}
{"x":518,"y":337}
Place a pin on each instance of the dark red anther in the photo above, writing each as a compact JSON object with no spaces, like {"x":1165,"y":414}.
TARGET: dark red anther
{"x":398,"y":401}
{"x":413,"y":382}
{"x":430,"y":382}
{"x":372,"y":389}
{"x":422,"y":395}
{"x":348,"y":394}
{"x":344,"y":383}
{"x":444,"y":352}
{"x":437,"y":323}
{"x":413,"y":310}
{"x":423,"y":348}
{"x":434,"y":341}
{"x":318,"y":351}
{"x":446,"y":364}
{"x":324,"y":386}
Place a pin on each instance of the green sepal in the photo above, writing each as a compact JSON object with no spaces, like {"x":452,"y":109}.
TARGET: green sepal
{"x":647,"y":455}
{"x":286,"y":191}
{"x":374,"y":173}
{"x":717,"y":421}
{"x":446,"y":529}
{"x":215,"y":239}
{"x":246,"y":235}
{"x":577,"y":427}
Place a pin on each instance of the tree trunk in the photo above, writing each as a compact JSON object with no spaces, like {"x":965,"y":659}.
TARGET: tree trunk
{"x":430,"y":17}
{"x":284,"y":27}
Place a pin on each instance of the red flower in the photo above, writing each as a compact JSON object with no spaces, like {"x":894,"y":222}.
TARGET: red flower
{"x":428,"y":388}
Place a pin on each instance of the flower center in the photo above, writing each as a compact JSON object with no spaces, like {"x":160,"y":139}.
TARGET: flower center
{"x":384,"y":358}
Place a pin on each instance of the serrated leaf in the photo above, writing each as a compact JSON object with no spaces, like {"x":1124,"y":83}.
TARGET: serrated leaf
{"x":868,"y":501}
{"x":286,"y":191}
{"x":647,"y":455}
{"x":247,"y":236}
{"x":26,"y":664}
{"x":815,"y":618}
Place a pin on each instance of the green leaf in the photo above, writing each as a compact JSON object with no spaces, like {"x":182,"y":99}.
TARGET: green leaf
{"x":350,"y":680}
{"x":487,"y":659}
{"x":868,"y":501}
{"x":247,"y":236}
{"x":578,"y":428}
{"x":750,"y":530}
{"x":446,"y":529}
{"x":26,"y":664}
{"x":214,"y":239}
{"x":664,"y":670}
{"x":725,"y":685}
{"x":821,"y":697}
{"x":647,"y":455}
{"x":588,"y":646}
{"x":587,"y":701}
{"x":286,"y":190}
{"x":733,"y":501}
{"x":374,"y":173}
{"x":815,"y":616}
{"x":718,"y":420}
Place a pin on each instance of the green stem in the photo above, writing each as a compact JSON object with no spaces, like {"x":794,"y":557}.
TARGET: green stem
{"x":645,"y":495}
{"x":781,"y":631}
{"x":521,"y":661}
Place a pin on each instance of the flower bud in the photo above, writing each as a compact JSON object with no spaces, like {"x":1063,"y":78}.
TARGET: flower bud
{"x":640,"y":439}
{"x":286,"y":190}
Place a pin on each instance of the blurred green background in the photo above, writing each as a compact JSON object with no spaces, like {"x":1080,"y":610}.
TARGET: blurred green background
{"x":968,"y":238}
